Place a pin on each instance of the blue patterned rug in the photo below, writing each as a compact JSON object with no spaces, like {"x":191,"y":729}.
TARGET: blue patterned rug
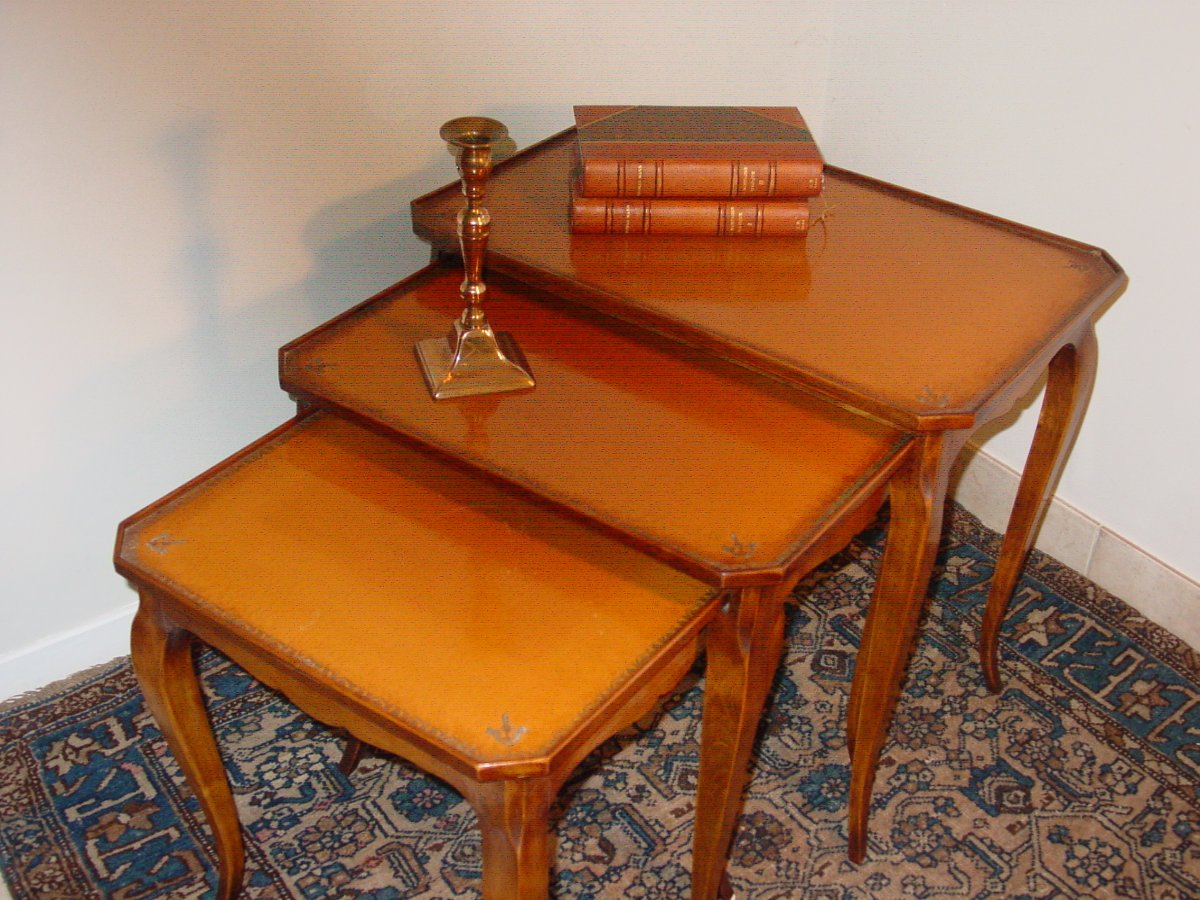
{"x":1081,"y":780}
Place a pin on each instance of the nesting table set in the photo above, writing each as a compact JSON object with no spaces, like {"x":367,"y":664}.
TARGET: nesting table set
{"x":492,"y":585}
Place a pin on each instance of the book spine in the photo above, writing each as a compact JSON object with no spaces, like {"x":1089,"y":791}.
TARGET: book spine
{"x":729,"y":179}
{"x":599,"y":215}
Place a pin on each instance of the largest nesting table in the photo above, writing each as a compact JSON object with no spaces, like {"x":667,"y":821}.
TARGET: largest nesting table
{"x":931,"y":316}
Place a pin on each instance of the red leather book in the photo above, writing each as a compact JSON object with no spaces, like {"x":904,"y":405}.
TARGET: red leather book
{"x":605,"y":215}
{"x":696,"y":151}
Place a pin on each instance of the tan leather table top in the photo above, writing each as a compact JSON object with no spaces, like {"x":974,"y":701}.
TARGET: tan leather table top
{"x":489,"y":623}
{"x":724,"y":472}
{"x":912,"y":308}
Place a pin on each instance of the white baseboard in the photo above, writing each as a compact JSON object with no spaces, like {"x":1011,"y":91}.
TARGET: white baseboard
{"x":59,"y":655}
{"x":987,"y":487}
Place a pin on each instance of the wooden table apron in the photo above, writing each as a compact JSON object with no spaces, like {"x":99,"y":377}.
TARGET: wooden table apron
{"x":927,"y":314}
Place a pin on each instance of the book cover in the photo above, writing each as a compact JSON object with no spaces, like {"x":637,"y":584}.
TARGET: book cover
{"x":696,"y":151}
{"x":765,"y":218}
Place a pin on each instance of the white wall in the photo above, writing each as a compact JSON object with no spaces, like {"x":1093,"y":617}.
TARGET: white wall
{"x":1079,"y":118}
{"x":186,"y":186}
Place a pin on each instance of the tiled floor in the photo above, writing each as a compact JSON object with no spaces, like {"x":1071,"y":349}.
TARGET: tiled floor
{"x":986,"y":487}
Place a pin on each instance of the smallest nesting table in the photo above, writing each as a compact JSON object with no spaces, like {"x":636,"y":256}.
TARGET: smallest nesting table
{"x":486,"y":639}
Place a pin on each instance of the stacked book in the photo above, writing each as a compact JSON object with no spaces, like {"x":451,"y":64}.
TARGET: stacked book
{"x":711,"y":170}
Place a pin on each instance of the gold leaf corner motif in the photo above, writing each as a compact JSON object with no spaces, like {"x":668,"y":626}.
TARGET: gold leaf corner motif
{"x":505,"y":734}
{"x":738,"y":550}
{"x":936,"y":399}
{"x":826,"y":212}
{"x":162,"y":543}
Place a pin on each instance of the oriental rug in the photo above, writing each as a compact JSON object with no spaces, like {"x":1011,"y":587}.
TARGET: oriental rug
{"x":1082,"y":779}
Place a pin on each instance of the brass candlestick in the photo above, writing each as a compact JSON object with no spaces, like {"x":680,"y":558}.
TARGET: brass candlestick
{"x":473,"y":359}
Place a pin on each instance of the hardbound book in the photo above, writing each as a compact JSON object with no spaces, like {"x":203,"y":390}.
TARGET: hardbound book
{"x":608,"y":215}
{"x":696,"y":151}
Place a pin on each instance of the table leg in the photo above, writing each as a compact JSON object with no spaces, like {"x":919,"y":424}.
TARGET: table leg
{"x":351,"y":756}
{"x":743,"y":649}
{"x":514,"y":819}
{"x":162,"y":661}
{"x":1068,"y":387}
{"x":918,"y":495}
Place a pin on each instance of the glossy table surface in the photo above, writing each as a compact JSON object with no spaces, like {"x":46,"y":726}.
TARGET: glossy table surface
{"x":727,"y":473}
{"x":911,"y":308}
{"x":427,"y":592}
{"x":483,"y":637}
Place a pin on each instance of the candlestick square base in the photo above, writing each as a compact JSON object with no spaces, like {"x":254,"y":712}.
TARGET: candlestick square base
{"x":472,"y":361}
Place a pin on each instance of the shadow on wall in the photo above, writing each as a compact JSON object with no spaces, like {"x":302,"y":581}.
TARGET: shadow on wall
{"x":150,"y":422}
{"x":139,"y":425}
{"x":189,"y":151}
{"x":227,"y":357}
{"x":1031,"y":399}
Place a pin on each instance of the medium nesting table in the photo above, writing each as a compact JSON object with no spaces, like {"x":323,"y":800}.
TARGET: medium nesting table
{"x":729,"y":475}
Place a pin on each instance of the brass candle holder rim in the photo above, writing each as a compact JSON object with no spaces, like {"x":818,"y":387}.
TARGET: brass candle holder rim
{"x":473,"y":131}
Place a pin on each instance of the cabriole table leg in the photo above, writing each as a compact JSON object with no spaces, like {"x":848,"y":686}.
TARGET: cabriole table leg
{"x":1068,"y":386}
{"x":742,"y":652}
{"x":918,"y":495}
{"x":514,"y":820}
{"x":162,"y":661}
